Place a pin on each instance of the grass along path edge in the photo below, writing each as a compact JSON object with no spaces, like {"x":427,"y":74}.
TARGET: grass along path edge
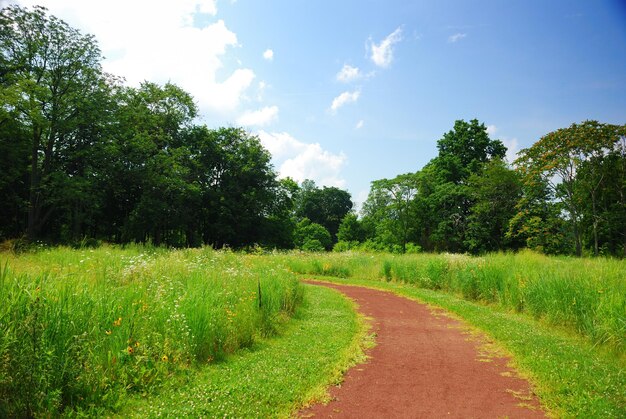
{"x":277,"y":376}
{"x":571,"y":377}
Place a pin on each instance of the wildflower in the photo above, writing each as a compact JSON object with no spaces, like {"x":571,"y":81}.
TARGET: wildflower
{"x":137,"y":344}
{"x":108,"y":332}
{"x":117,"y":322}
{"x":130,"y":350}
{"x":164,"y":358}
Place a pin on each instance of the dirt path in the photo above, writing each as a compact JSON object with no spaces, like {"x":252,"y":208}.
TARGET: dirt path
{"x":424,"y":365}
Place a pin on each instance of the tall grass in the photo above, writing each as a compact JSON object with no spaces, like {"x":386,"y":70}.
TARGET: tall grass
{"x":587,"y":296}
{"x":82,"y":328}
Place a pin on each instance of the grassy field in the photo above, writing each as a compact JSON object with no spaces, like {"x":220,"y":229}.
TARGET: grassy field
{"x":272,"y":378}
{"x":83,"y":329}
{"x":143,"y":331}
{"x":585,"y":296}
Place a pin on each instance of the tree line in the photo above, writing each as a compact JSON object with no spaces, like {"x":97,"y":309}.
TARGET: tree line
{"x":85,"y":157}
{"x":564,"y":195}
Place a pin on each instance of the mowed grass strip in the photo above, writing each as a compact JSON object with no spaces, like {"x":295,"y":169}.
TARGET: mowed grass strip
{"x":275,"y":377}
{"x":571,"y":376}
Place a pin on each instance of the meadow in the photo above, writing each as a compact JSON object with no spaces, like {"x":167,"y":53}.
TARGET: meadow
{"x":82,"y":329}
{"x":148,"y":331}
{"x":584,"y":296}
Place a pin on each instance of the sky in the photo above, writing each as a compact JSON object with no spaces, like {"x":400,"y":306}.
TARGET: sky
{"x":345,"y":92}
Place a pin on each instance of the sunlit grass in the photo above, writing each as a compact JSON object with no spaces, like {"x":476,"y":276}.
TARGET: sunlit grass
{"x":272,"y":378}
{"x":587,"y":296}
{"x":86,"y":327}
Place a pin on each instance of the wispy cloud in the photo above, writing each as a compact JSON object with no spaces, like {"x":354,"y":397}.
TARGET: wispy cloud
{"x":491,"y":130}
{"x":359,"y":124}
{"x":348,"y":74}
{"x":260,"y":117}
{"x":344,"y":98}
{"x":382,"y":53}
{"x":456,"y":37}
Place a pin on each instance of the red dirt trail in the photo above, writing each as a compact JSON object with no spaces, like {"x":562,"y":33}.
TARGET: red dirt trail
{"x":424,"y":365}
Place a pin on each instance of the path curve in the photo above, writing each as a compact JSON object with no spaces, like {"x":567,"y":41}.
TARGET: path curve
{"x":424,"y":365}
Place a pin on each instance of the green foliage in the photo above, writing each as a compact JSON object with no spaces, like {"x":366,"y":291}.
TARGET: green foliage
{"x":84,"y":156}
{"x":311,"y":236}
{"x":463,"y":151}
{"x":351,"y":229}
{"x":555,"y":161}
{"x":327,"y":206}
{"x":83,"y":328}
{"x":494,"y":192}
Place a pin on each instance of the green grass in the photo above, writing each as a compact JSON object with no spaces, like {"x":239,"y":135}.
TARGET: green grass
{"x":572,"y":377}
{"x":83,"y":329}
{"x":274,"y":377}
{"x":143,"y":331}
{"x":586,"y":296}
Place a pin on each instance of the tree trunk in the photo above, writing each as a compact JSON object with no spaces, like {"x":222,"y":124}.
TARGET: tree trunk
{"x":33,"y":193}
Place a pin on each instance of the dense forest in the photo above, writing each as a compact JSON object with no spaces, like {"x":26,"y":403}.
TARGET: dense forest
{"x":86,"y":158}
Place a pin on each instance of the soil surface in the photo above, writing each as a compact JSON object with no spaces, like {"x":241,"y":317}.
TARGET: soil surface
{"x":424,"y":365}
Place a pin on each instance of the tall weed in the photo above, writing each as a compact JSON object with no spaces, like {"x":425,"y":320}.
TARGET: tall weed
{"x":82,"y":328}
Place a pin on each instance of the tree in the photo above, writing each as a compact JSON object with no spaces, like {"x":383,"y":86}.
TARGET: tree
{"x":326,"y":206}
{"x":49,"y":72}
{"x":537,"y":221}
{"x":463,"y":152}
{"x":310,"y":236}
{"x":239,"y":188}
{"x":556,"y":159}
{"x":350,"y":229}
{"x":464,"y":149}
{"x":391,"y":204}
{"x":148,"y":185}
{"x":495,"y":192}
{"x":604,"y":213}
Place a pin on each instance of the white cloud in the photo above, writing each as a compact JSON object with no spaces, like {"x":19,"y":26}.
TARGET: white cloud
{"x":512,"y":147}
{"x":359,"y":124}
{"x":491,"y":130}
{"x":268,"y":55}
{"x":300,"y":160}
{"x":260,"y":117}
{"x":343,"y":99}
{"x":348,"y":74}
{"x":382,"y":54}
{"x":456,"y":37}
{"x":157,"y":41}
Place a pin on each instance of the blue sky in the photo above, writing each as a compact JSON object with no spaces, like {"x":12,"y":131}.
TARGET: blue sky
{"x":346,"y":92}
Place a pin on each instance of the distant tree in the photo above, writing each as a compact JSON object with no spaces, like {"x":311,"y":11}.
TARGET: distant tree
{"x":463,"y":152}
{"x":390,"y":206}
{"x":464,"y":149}
{"x":603,"y":179}
{"x":537,"y":221}
{"x":350,"y":229}
{"x":326,"y":206}
{"x":309,"y":236}
{"x":557,"y":158}
{"x":495,"y":192}
{"x":49,"y":72}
